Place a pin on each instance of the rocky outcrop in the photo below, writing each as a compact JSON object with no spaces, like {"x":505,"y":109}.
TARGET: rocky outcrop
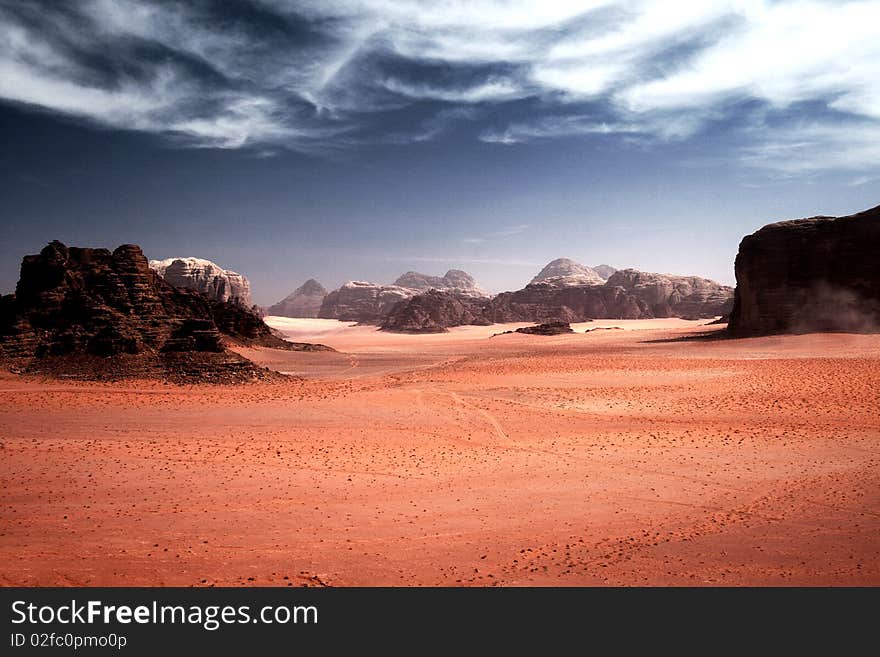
{"x":455,"y":281}
{"x":75,"y":304}
{"x":675,"y":296}
{"x":628,"y":294}
{"x":564,"y":272}
{"x":368,"y":303}
{"x":604,"y":271}
{"x":562,"y":291}
{"x":206,"y":277}
{"x":550,"y":328}
{"x":305,"y":301}
{"x":543,"y":302}
{"x":816,"y":274}
{"x":434,"y":312}
{"x":359,"y":301}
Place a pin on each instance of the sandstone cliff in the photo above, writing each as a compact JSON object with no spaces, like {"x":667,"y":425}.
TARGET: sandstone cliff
{"x":816,"y":274}
{"x":675,"y":296}
{"x":206,"y":277}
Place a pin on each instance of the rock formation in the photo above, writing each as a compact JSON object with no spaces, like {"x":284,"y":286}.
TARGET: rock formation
{"x":206,"y":277}
{"x":675,"y":296}
{"x":564,"y":290}
{"x":74,"y":308}
{"x":435,"y":311}
{"x":816,"y":274}
{"x":543,"y":302}
{"x":565,"y":272}
{"x":305,"y":301}
{"x":359,"y":301}
{"x":455,"y":280}
{"x":550,"y":328}
{"x":368,"y":303}
{"x":604,"y":271}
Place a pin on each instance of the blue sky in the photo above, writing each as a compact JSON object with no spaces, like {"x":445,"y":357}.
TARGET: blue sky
{"x":357,"y":139}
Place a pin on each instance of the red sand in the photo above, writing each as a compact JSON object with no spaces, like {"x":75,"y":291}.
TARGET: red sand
{"x":614,"y":457}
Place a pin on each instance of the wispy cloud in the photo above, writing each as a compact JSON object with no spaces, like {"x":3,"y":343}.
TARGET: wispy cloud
{"x":433,"y":127}
{"x":808,"y":148}
{"x":310,"y":74}
{"x":555,"y":126}
{"x":506,"y":231}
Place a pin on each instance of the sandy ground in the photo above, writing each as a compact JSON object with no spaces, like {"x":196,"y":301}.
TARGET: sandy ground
{"x":620,"y":457}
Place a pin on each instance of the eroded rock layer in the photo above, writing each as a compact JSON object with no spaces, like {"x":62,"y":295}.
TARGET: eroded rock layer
{"x":74,"y":307}
{"x":206,"y":277}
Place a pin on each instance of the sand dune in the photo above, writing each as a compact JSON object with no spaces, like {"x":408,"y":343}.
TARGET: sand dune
{"x":615,"y":457}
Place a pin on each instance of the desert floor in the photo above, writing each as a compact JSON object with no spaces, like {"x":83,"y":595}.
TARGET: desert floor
{"x":620,"y":457}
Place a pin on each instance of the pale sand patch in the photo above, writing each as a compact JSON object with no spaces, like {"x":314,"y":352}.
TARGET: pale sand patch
{"x":348,"y":336}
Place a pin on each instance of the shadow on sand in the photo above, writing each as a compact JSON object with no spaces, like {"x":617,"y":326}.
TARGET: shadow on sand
{"x":705,"y":336}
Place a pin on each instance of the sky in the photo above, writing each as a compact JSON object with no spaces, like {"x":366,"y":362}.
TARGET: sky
{"x":358,"y":139}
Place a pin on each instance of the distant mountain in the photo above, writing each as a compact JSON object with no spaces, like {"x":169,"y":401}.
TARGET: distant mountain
{"x":361,"y":301}
{"x":369,"y":303}
{"x":604,"y":271}
{"x":565,"y":272}
{"x":568,"y":292}
{"x":455,"y":280}
{"x":206,"y":277}
{"x":305,"y":301}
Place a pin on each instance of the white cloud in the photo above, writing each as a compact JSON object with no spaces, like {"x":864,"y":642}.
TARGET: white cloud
{"x":783,"y":53}
{"x":492,"y":90}
{"x":648,"y":68}
{"x":809,"y":148}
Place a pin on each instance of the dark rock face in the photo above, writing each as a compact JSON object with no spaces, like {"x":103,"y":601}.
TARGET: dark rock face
{"x":550,"y":328}
{"x":434,"y":312}
{"x":206,"y":277}
{"x":78,"y":303}
{"x":675,"y":296}
{"x":305,"y":301}
{"x":817,"y":274}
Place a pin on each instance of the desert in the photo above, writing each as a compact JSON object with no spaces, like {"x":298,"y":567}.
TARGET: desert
{"x":653,"y":455}
{"x":369,"y":294}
